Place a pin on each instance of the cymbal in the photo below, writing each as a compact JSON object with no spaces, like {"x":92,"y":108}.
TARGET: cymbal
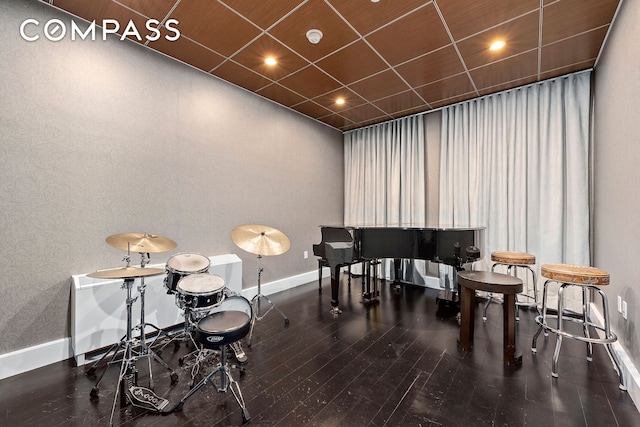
{"x":141,"y":242}
{"x":260,"y":239}
{"x":126,"y":273}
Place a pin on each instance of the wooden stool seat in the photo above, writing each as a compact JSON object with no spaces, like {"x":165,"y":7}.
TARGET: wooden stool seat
{"x":575,"y":274}
{"x":513,"y":258}
{"x":514,"y":261}
{"x":509,"y":286}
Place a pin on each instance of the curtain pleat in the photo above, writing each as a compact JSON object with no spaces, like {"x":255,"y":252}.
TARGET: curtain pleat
{"x":385,"y":179}
{"x":385,"y":174}
{"x":518,"y":163}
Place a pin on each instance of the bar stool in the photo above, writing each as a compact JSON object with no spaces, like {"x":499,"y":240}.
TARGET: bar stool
{"x":514,"y":261}
{"x":586,"y":279}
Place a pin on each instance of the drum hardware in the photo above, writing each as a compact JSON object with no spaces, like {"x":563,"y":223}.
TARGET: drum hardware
{"x":146,"y":350}
{"x":261,"y":240}
{"x":178,"y":267}
{"x":228,"y":323}
{"x":128,"y":371}
{"x":198,"y":294}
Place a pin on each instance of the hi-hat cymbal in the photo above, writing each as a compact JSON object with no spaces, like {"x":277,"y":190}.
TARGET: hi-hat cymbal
{"x":141,"y":242}
{"x":260,"y":239}
{"x":126,"y":273}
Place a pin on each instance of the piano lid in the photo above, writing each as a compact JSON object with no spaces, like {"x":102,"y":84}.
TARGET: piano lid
{"x":407,"y":227}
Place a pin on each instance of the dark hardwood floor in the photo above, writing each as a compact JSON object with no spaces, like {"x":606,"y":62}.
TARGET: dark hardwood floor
{"x":393,"y":363}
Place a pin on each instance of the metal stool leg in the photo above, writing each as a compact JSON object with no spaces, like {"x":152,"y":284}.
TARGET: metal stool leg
{"x":541,"y":319}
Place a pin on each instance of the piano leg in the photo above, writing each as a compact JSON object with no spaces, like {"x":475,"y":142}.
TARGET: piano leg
{"x":369,"y":295}
{"x":335,"y":288}
{"x":320,"y":265}
{"x":397,"y":268}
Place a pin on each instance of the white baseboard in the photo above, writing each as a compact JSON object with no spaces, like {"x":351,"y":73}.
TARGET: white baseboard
{"x":35,"y":357}
{"x":630,"y":373}
{"x":284,"y":284}
{"x":20,"y":361}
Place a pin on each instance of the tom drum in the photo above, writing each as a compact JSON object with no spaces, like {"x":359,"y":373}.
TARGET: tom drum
{"x":200,"y":292}
{"x":182,"y":265}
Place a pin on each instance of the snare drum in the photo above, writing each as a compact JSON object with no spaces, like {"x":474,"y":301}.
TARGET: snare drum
{"x":200,"y":292}
{"x":228,"y":322}
{"x":181,"y":265}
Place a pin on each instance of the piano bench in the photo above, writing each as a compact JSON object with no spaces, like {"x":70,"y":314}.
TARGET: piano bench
{"x":488,"y":281}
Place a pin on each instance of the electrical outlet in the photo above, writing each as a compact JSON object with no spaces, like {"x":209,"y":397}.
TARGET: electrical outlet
{"x":619,"y":304}
{"x":305,"y":254}
{"x":624,"y":309}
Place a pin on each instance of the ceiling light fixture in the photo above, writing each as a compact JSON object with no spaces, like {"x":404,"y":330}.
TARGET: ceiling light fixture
{"x":340,"y":101}
{"x":497,"y":45}
{"x":270,"y":60}
{"x":314,"y":36}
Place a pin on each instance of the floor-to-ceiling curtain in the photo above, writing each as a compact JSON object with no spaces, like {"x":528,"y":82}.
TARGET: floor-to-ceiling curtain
{"x":385,"y":175}
{"x":517,"y":162}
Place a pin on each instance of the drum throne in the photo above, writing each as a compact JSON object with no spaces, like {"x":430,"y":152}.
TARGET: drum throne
{"x":226,"y":325}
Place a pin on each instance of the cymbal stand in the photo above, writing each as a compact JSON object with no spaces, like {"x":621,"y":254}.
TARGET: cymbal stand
{"x":125,"y":341}
{"x":255,"y":303}
{"x":145,"y":350}
{"x":128,"y":372}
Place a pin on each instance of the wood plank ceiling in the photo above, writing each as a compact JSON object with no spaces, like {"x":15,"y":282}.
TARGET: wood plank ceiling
{"x":385,"y":58}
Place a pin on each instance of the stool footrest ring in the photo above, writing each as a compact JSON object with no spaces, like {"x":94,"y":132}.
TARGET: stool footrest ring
{"x":607,"y":340}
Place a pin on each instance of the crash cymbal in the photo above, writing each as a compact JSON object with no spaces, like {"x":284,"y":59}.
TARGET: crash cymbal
{"x":141,"y":242}
{"x":126,"y":273}
{"x":260,"y":239}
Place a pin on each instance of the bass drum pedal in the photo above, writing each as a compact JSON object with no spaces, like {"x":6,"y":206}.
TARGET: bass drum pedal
{"x":144,"y":398}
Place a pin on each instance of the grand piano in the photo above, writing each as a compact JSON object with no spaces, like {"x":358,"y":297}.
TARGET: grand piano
{"x":346,"y":245}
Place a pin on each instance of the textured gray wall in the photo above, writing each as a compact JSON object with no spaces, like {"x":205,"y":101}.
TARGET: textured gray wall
{"x":98,"y":138}
{"x":617,"y":156}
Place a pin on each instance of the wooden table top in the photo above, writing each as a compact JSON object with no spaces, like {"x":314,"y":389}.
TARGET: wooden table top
{"x":490,"y":282}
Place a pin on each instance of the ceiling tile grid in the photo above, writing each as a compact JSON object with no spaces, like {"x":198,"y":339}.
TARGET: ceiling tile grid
{"x":383,"y":59}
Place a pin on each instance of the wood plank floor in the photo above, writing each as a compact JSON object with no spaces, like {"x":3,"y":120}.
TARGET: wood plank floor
{"x":393,"y":363}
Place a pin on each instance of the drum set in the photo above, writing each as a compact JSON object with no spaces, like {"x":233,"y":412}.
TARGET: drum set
{"x":215,"y":317}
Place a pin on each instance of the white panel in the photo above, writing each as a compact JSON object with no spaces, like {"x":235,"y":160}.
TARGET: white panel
{"x":99,"y":309}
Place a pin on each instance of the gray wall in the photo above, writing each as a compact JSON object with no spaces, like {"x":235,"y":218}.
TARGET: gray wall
{"x":617,"y":171}
{"x":98,"y":138}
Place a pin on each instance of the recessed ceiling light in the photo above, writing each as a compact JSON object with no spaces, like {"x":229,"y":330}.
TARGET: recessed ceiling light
{"x":340,"y":101}
{"x":497,"y":45}
{"x":375,"y":1}
{"x":270,"y":60}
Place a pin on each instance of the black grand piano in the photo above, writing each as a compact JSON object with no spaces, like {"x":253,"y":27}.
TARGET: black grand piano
{"x":346,"y":245}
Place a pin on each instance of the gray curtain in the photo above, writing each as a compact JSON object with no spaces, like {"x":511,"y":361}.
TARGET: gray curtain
{"x":517,"y":162}
{"x":385,"y":178}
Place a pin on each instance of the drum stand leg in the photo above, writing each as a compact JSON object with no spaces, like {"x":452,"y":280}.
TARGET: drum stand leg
{"x":255,"y":302}
{"x":226,"y":382}
{"x":128,"y":373}
{"x":145,"y":350}
{"x":125,"y":343}
{"x":184,"y":335}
